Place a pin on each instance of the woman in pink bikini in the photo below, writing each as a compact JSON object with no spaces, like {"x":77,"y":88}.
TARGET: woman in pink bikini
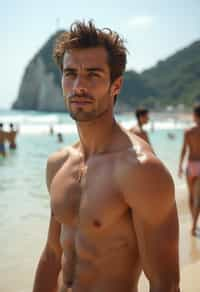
{"x":191,"y":145}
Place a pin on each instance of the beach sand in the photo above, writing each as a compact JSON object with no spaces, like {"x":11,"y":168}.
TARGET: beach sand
{"x":189,"y":250}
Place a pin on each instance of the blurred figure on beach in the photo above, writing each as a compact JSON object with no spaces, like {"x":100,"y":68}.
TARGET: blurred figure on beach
{"x":191,"y":147}
{"x":171,"y":136}
{"x":142,"y":116}
{"x":60,"y":137}
{"x":51,"y":130}
{"x":2,"y":141}
{"x":113,"y":209}
{"x":11,"y":136}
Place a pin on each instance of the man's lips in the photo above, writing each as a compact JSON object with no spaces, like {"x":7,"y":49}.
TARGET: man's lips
{"x":80,"y":102}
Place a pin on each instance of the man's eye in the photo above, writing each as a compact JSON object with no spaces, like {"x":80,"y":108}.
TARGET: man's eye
{"x":93,"y":74}
{"x":69,"y":74}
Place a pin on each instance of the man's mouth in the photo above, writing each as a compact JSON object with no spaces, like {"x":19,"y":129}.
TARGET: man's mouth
{"x":80,"y":101}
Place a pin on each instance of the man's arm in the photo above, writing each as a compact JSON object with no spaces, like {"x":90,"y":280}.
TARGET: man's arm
{"x":183,"y":152}
{"x":50,"y":261}
{"x":149,"y":192}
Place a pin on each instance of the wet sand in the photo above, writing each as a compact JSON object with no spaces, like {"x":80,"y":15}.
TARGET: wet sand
{"x":189,"y":250}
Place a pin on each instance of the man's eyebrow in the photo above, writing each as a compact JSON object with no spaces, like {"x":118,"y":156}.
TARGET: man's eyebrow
{"x":69,"y":69}
{"x":95,"y":69}
{"x":89,"y":69}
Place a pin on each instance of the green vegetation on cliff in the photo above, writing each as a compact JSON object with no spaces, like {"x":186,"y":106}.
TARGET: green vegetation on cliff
{"x":177,"y":79}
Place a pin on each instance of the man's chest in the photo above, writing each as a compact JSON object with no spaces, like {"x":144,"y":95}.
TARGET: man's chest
{"x":88,"y":196}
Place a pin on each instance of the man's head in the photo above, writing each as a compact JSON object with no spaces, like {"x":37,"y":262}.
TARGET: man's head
{"x":196,"y":112}
{"x":11,"y":125}
{"x":92,"y":62}
{"x":1,"y":126}
{"x":85,"y":35}
{"x":142,"y":115}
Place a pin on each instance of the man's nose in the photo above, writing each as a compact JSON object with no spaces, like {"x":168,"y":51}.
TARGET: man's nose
{"x":80,"y":85}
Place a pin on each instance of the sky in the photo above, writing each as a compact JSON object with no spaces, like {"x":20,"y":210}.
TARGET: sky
{"x":153,"y":30}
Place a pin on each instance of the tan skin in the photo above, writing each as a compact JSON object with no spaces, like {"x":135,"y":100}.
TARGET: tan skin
{"x":106,"y":225}
{"x":191,"y":144}
{"x":12,"y":137}
{"x":2,"y":140}
{"x":138,"y":130}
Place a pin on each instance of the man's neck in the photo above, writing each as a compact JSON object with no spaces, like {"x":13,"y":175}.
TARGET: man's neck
{"x":95,"y":136}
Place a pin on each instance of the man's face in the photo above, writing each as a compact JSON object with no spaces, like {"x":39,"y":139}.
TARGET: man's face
{"x":86,"y":83}
{"x":144,"y":119}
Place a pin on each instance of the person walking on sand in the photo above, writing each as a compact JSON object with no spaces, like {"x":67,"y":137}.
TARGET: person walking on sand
{"x":191,"y":144}
{"x":2,"y":141}
{"x":142,"y":116}
{"x":11,"y":136}
{"x":113,"y":211}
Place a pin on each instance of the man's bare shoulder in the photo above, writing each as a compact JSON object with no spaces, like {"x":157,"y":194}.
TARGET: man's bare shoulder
{"x":60,"y":156}
{"x":135,"y":129}
{"x":57,"y":159}
{"x":192,"y":130}
{"x":146,"y":183}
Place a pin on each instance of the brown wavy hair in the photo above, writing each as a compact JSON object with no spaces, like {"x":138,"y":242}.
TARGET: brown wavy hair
{"x":86,"y":35}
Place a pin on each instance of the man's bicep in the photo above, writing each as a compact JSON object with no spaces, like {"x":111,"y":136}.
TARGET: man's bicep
{"x":158,"y":247}
{"x":150,"y":195}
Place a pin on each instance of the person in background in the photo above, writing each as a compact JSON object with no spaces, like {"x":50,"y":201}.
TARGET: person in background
{"x":191,"y":146}
{"x":51,"y":130}
{"x":113,"y":210}
{"x":11,"y":136}
{"x":142,"y":116}
{"x":2,"y":141}
{"x":60,"y":137}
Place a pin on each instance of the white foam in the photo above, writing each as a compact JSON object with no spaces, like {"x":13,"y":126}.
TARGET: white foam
{"x":45,"y":129}
{"x":31,"y":119}
{"x":39,"y":123}
{"x":159,"y":125}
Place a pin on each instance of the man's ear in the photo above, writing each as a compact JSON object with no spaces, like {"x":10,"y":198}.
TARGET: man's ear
{"x":116,"y":86}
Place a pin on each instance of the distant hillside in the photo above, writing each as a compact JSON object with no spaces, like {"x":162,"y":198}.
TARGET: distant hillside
{"x":40,"y":86}
{"x":135,"y":92}
{"x":173,"y":81}
{"x":177,"y":79}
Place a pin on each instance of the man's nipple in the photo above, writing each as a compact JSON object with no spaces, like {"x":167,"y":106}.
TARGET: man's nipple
{"x":97,"y":223}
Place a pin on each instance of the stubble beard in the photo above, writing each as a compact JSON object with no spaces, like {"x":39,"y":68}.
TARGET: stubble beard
{"x":83,"y":116}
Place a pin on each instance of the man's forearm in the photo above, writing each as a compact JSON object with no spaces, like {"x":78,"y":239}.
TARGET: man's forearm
{"x":47,"y":273}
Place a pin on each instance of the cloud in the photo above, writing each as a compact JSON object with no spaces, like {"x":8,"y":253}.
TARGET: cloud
{"x":140,"y":22}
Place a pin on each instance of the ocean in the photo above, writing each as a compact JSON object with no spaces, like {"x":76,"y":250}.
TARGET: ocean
{"x":24,"y":200}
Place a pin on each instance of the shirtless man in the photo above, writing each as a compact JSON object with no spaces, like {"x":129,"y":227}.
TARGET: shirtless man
{"x":113,"y":211}
{"x":142,"y":116}
{"x":11,"y":136}
{"x":191,"y":144}
{"x":2,"y":141}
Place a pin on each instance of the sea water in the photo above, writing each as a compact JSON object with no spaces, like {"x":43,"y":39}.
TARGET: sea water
{"x":24,"y":200}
